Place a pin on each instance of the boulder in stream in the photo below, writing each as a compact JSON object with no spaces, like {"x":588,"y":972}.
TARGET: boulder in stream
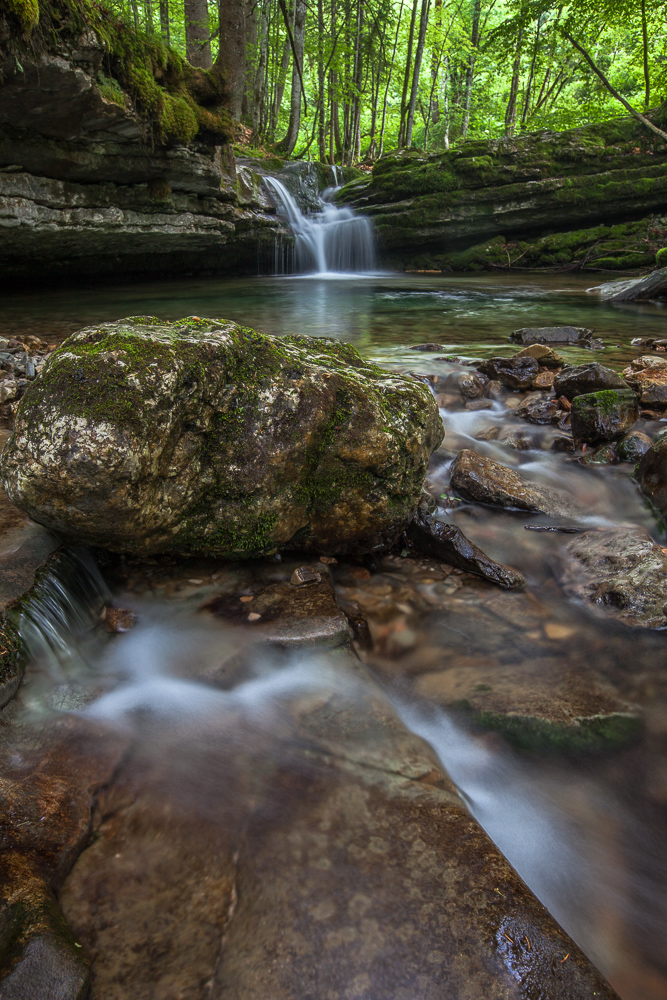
{"x":578,"y":336}
{"x":514,"y":373}
{"x":651,"y":286}
{"x":651,"y":474}
{"x":479,"y":478}
{"x":575,"y":380}
{"x":604,"y":416}
{"x":200,"y":436}
{"x":622,"y":571}
{"x":648,"y":377}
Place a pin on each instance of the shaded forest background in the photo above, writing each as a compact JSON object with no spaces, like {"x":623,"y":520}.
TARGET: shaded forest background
{"x":345,"y":81}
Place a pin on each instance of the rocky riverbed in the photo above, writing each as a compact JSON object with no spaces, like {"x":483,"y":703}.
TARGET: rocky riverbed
{"x":209,"y":767}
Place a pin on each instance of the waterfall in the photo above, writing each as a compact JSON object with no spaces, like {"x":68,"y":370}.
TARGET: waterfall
{"x":332,"y":240}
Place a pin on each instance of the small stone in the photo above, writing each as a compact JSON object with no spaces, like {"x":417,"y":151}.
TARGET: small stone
{"x":480,"y":478}
{"x":253,"y":616}
{"x":360,"y":573}
{"x":544,"y":380}
{"x":564,"y":403}
{"x":246,"y":598}
{"x":471,"y":384}
{"x":633,"y":446}
{"x":554,"y":630}
{"x":118,"y":619}
{"x":427,"y":347}
{"x":495,"y":390}
{"x":556,"y":335}
{"x":8,"y":390}
{"x":329,"y":560}
{"x":305,"y":575}
{"x":196,"y":582}
{"x":479,"y":404}
{"x":515,"y":373}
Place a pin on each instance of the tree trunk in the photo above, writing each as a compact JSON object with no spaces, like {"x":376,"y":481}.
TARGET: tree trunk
{"x":251,"y":59}
{"x":149,"y":17}
{"x":406,"y":76}
{"x":280,"y":86}
{"x":321,"y":85}
{"x":474,"y":42}
{"x":197,"y":33}
{"x":259,"y":82}
{"x":386,"y":90}
{"x":289,"y":142}
{"x":423,"y":21}
{"x":231,"y":54}
{"x":510,"y":111}
{"x":164,"y":21}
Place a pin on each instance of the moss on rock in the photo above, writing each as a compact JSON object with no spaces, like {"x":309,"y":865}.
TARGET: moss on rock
{"x":200,"y":436}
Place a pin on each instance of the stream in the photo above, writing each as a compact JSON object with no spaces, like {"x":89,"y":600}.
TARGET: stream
{"x":587,"y":834}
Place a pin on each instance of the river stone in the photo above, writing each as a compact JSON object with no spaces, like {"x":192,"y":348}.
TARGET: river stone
{"x":539,"y":409}
{"x":648,"y":377}
{"x":651,"y":475}
{"x":578,"y":335}
{"x":621,"y":571}
{"x":545,"y":355}
{"x":633,"y":446}
{"x":575,"y":380}
{"x":448,"y":543}
{"x":200,"y":436}
{"x":603,"y":416}
{"x":479,"y":478}
{"x":514,"y":373}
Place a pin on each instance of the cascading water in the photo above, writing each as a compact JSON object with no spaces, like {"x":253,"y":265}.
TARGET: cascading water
{"x":332,"y":240}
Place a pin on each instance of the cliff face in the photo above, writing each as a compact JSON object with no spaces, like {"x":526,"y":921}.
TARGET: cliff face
{"x":503,"y":197}
{"x":99,"y":176}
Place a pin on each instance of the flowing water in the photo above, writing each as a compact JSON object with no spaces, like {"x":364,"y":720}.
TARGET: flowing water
{"x":587,"y":834}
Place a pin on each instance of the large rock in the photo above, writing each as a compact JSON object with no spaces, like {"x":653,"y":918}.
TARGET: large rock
{"x":603,"y":416}
{"x":651,"y":286}
{"x":204,"y":437}
{"x":575,"y":380}
{"x":652,"y":475}
{"x":578,"y":335}
{"x":621,"y":571}
{"x":479,"y":478}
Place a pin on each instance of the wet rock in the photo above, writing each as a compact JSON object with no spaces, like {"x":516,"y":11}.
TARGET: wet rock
{"x":514,"y":373}
{"x":40,"y":955}
{"x":546,"y":357}
{"x":652,"y":286}
{"x":576,"y":380}
{"x":298,"y":610}
{"x":202,"y":437}
{"x":605,"y":455}
{"x":544,"y":380}
{"x":603,"y":416}
{"x":495,"y":391}
{"x":633,"y":446}
{"x":648,"y":377}
{"x":539,"y":409}
{"x":471,"y":384}
{"x":620,"y":571}
{"x":652,"y":343}
{"x":562,"y":442}
{"x":651,"y":475}
{"x":427,"y":347}
{"x":578,"y":335}
{"x":8,"y":390}
{"x":482,"y":479}
{"x":118,"y":619}
{"x":479,"y":404}
{"x":518,"y":440}
{"x":447,"y":542}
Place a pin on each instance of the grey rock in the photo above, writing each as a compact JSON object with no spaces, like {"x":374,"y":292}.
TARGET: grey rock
{"x":620,"y":571}
{"x":203,"y":437}
{"x":482,"y":479}
{"x":539,"y":409}
{"x":471,"y":384}
{"x":448,"y":543}
{"x":651,"y":286}
{"x":578,"y":335}
{"x":603,"y":416}
{"x":576,"y":380}
{"x":428,"y":347}
{"x":651,"y":475}
{"x":514,"y":373}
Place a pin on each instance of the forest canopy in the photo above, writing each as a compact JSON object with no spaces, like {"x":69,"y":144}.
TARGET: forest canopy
{"x":347,"y":80}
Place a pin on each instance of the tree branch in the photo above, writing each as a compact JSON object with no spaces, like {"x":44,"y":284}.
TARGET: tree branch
{"x":612,"y":90}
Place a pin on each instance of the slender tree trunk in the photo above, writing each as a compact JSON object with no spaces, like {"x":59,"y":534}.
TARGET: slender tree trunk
{"x":289,"y":142}
{"x":321,"y":84}
{"x":164,"y":21}
{"x":389,"y":76}
{"x":259,"y":82}
{"x":280,"y":86}
{"x":510,"y":111}
{"x":435,"y":67}
{"x":531,"y":77}
{"x":474,"y":42}
{"x":423,"y":21}
{"x":647,"y":79}
{"x":149,"y":17}
{"x":446,"y":104}
{"x":231,"y":53}
{"x":197,"y":33}
{"x":251,"y":58}
{"x":406,"y":77}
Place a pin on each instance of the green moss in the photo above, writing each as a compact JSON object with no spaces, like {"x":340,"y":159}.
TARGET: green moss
{"x":179,"y":100}
{"x":661,"y":257}
{"x":539,"y":737}
{"x":11,"y":655}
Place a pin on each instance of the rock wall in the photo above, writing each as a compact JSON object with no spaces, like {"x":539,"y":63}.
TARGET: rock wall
{"x":511,"y":201}
{"x":87,"y":189}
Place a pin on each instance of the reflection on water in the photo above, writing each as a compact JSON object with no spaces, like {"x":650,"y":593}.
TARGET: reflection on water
{"x":378,"y":314}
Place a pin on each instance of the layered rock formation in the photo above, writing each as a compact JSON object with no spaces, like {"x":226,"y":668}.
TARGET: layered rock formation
{"x":490,"y":203}
{"x":103,"y":169}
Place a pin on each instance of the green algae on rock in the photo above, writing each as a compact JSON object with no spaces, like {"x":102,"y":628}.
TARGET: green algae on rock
{"x":201,"y":436}
{"x":604,"y":415}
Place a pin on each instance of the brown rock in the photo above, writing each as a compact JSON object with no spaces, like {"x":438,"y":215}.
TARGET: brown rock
{"x":544,"y":380}
{"x":482,"y":479}
{"x":648,"y":377}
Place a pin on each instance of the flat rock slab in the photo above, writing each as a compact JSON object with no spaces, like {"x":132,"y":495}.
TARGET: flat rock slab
{"x":575,"y":380}
{"x":648,"y":377}
{"x":577,"y":335}
{"x":479,"y":478}
{"x":621,"y":572}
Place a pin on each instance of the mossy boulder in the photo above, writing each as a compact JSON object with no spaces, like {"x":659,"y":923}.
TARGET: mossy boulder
{"x":604,"y":415}
{"x":201,"y":436}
